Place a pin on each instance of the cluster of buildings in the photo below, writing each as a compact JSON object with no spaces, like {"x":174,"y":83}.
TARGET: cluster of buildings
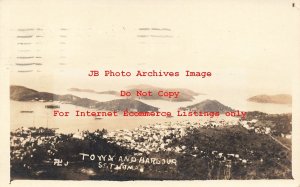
{"x":260,"y":129}
{"x":150,"y":138}
{"x":157,"y":137}
{"x":250,"y":125}
{"x":26,"y":142}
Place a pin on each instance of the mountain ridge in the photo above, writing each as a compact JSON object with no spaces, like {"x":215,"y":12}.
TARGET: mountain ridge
{"x":208,"y":106}
{"x":21,"y":93}
{"x":274,"y":99}
{"x":185,"y":94}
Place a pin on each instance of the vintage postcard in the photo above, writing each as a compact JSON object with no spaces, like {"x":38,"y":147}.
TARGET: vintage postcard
{"x":136,"y":92}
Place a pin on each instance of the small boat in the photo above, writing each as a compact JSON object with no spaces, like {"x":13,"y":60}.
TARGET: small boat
{"x":24,"y":64}
{"x":25,"y":71}
{"x":52,"y":106}
{"x":26,"y":111}
{"x":66,"y":102}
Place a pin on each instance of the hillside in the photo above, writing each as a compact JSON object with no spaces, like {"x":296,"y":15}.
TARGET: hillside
{"x":208,"y":106}
{"x":220,"y":153}
{"x":123,"y":104}
{"x":279,"y":123}
{"x":265,"y":157}
{"x":275,"y":99}
{"x":21,"y":93}
{"x":185,"y":94}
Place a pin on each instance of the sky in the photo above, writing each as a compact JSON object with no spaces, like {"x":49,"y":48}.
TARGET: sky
{"x":251,"y":47}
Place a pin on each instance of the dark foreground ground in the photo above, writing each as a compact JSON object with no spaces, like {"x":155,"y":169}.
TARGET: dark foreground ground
{"x":202,"y":153}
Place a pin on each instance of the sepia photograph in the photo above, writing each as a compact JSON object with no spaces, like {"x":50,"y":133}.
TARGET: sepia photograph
{"x":200,"y":91}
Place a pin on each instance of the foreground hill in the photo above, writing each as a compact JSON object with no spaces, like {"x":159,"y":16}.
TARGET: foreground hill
{"x":280,"y":124}
{"x":263,"y":157}
{"x":275,"y":99}
{"x":21,"y":93}
{"x":208,"y":106}
{"x":201,"y":153}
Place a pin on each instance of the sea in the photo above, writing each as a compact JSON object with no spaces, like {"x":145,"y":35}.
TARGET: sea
{"x":38,"y":115}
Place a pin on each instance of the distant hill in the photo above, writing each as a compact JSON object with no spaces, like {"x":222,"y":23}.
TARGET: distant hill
{"x":275,"y":99}
{"x":123,"y":104}
{"x":208,"y":106}
{"x":185,"y":94}
{"x":110,"y":92}
{"x":21,"y":93}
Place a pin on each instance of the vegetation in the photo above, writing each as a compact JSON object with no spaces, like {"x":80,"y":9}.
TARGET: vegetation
{"x":208,"y":106}
{"x":279,"y":123}
{"x":267,"y":158}
{"x":206,"y":155}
